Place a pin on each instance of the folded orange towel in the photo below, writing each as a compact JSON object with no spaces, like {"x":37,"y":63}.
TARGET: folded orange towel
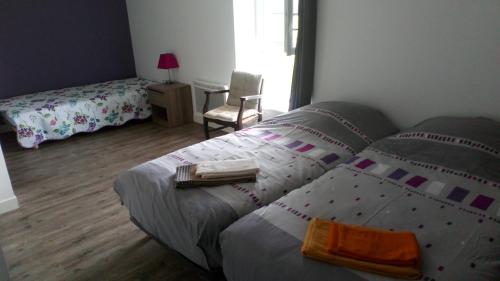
{"x":316,"y":238}
{"x":373,"y":245}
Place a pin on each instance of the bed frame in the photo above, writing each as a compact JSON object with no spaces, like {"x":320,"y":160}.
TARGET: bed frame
{"x":205,"y":275}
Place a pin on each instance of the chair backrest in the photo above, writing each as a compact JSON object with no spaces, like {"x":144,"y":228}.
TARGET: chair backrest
{"x":244,"y":84}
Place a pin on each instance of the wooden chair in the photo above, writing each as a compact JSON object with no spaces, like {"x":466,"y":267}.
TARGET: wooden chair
{"x":243,"y":104}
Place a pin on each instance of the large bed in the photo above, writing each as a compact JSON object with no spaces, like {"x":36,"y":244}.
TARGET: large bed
{"x":58,"y":114}
{"x":292,"y":150}
{"x":440,"y":180}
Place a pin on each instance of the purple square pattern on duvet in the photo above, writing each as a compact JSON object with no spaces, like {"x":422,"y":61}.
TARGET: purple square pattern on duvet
{"x":365,"y":164}
{"x":398,"y":174}
{"x":416,"y":181}
{"x":330,"y":158}
{"x":482,"y":202}
{"x":294,"y":144}
{"x":458,"y":194}
{"x":305,"y":148}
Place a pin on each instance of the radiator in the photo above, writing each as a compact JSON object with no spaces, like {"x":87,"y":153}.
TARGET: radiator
{"x":200,"y":86}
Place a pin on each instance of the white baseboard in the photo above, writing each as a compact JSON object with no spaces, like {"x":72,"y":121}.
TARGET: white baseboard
{"x":8,"y":205}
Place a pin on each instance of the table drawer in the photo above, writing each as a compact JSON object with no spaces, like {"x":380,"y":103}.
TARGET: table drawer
{"x":157,"y":98}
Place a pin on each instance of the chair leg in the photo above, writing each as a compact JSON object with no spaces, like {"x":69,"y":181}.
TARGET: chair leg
{"x":205,"y":128}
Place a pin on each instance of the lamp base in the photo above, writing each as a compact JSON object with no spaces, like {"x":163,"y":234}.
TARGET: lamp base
{"x":169,"y":81}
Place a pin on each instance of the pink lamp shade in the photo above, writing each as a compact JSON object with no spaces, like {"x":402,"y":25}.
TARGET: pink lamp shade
{"x":167,"y":61}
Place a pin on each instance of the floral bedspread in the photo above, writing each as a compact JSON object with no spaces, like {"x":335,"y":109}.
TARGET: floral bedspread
{"x":58,"y":114}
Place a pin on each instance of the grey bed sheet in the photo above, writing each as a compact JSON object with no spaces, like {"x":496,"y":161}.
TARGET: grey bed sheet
{"x":440,"y":180}
{"x":292,"y":150}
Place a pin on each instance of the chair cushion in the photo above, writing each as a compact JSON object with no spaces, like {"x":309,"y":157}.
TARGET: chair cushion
{"x":244,"y":84}
{"x":229,"y":113}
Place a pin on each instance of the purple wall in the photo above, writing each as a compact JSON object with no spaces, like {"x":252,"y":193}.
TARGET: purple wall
{"x":51,"y":44}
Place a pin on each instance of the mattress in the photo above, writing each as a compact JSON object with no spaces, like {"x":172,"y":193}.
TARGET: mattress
{"x":59,"y":114}
{"x":291,"y":149}
{"x":440,"y":180}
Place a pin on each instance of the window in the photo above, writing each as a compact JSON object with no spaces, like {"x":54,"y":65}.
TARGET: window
{"x":261,"y":47}
{"x":291,"y":25}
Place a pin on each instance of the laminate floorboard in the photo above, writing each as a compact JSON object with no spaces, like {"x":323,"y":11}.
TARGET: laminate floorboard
{"x":70,"y":224}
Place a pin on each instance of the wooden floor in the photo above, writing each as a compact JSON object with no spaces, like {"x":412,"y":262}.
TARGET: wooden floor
{"x":70,"y":224}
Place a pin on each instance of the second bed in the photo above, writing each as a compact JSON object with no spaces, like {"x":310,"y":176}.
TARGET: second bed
{"x":439,"y":180}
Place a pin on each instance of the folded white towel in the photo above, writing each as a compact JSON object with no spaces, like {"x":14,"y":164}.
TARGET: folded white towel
{"x":227,"y":168}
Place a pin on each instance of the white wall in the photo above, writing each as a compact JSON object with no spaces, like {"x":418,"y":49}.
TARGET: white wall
{"x":411,"y":58}
{"x":200,"y":33}
{"x":8,"y":200}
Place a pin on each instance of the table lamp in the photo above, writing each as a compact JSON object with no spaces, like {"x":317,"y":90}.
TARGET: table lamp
{"x":168,"y":61}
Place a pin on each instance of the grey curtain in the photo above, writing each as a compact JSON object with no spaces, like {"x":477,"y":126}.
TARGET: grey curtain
{"x":303,"y":71}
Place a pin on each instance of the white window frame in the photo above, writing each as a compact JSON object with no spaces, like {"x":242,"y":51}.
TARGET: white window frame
{"x":289,"y":47}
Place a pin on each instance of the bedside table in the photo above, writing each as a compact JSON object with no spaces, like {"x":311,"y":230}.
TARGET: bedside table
{"x":171,"y":104}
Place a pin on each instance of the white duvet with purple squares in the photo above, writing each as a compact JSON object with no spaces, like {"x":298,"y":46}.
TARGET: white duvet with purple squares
{"x":440,"y":180}
{"x":291,"y":149}
{"x":59,"y":114}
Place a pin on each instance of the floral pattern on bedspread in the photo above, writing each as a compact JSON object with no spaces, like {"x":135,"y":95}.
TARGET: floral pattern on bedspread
{"x":58,"y":114}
